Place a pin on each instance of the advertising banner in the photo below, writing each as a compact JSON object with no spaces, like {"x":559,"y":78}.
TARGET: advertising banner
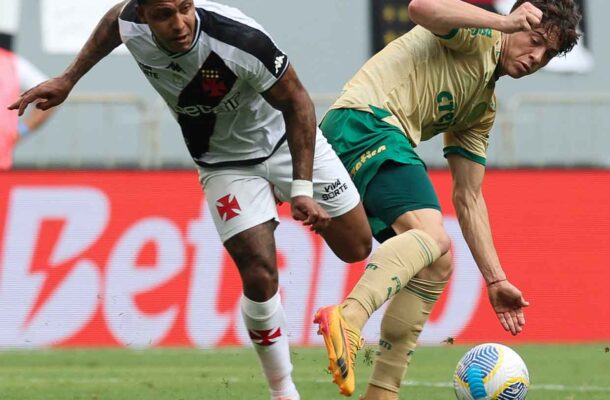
{"x":133,"y":259}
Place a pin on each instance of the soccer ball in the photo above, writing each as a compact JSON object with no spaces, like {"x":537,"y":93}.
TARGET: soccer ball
{"x":491,"y":372}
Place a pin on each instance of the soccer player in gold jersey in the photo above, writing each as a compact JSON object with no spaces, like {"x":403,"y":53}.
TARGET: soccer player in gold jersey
{"x":438,"y":78}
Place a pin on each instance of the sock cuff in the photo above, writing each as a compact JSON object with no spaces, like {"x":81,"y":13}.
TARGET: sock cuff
{"x":384,"y":385}
{"x":261,"y":310}
{"x":428,"y":291}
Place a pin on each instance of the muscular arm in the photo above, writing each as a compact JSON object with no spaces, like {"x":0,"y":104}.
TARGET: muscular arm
{"x":472,"y":214}
{"x":291,"y":98}
{"x":506,"y":299}
{"x":53,"y":92}
{"x":103,"y":40}
{"x":441,"y":16}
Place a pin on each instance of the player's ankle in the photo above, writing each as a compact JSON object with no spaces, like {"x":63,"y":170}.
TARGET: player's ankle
{"x":354,"y":313}
{"x":286,"y":395}
{"x":378,"y":393}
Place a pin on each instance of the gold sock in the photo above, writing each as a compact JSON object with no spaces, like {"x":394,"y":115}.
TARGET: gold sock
{"x":392,"y":265}
{"x":401,"y":325}
{"x":377,"y":393}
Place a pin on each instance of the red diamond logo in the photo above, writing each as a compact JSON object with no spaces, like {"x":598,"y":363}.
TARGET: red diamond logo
{"x":214,"y":87}
{"x":264,"y":338}
{"x":228,"y":207}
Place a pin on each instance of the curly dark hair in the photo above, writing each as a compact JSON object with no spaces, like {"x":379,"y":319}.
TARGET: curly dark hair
{"x":561,"y":17}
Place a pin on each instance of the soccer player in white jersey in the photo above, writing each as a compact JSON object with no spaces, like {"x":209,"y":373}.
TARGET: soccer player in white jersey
{"x":247,"y":122}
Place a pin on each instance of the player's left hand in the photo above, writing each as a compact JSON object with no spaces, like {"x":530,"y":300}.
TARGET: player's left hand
{"x":311,"y":213}
{"x":508,"y":303}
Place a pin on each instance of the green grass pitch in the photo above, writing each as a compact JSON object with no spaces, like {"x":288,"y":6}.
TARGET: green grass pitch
{"x":557,"y":373}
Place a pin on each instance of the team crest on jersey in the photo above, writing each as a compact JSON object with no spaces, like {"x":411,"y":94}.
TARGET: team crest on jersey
{"x":228,"y":207}
{"x":215,"y":87}
{"x":210,"y":74}
{"x":212,"y":84}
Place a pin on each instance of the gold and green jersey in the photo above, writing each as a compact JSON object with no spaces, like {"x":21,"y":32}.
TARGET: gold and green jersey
{"x":426,"y":84}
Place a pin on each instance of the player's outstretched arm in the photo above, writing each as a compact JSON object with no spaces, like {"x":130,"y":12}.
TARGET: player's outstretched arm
{"x":441,"y":16}
{"x":53,"y":92}
{"x":505,"y":298}
{"x":290,"y":97}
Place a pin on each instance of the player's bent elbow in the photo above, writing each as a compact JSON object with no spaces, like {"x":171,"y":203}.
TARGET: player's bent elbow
{"x":421,"y":11}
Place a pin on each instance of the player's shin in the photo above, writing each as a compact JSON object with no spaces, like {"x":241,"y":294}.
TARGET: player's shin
{"x":392,"y":265}
{"x":268,"y":330}
{"x":401,"y":326}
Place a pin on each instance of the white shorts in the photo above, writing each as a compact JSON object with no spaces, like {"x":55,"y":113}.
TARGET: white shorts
{"x":242,"y":197}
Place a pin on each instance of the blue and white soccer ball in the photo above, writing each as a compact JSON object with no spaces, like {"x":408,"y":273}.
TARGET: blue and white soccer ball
{"x":491,"y":371}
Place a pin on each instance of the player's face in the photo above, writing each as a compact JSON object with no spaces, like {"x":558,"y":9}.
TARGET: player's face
{"x":173,"y":22}
{"x":526,"y":52}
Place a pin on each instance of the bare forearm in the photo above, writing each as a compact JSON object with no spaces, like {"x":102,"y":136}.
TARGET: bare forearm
{"x":301,"y":131}
{"x":102,"y":41}
{"x":474,"y":222}
{"x":290,"y":97}
{"x":440,"y":16}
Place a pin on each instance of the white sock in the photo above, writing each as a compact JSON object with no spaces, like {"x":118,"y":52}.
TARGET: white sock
{"x":268,"y":330}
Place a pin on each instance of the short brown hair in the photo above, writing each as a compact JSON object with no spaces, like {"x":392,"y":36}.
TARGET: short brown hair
{"x":560,"y":16}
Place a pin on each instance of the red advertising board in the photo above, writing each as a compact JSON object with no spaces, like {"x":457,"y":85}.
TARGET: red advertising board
{"x":133,"y":259}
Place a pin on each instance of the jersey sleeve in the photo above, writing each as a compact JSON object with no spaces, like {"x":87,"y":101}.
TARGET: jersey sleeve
{"x":264,"y":64}
{"x":470,"y":40}
{"x":130,"y":26}
{"x":471,"y":143}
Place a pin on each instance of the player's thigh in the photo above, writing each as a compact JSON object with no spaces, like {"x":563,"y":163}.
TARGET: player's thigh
{"x":348,"y":233}
{"x":238,"y":199}
{"x":401,"y":197}
{"x":333,"y":188}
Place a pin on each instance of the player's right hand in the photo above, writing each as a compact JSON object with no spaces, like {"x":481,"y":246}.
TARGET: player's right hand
{"x":508,"y":303}
{"x":46,"y":95}
{"x":311,"y":213}
{"x":525,"y":18}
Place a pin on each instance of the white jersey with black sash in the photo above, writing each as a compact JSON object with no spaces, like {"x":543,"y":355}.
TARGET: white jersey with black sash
{"x":214,"y":89}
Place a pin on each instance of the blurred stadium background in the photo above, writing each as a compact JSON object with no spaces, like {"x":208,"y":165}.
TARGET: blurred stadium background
{"x":106,"y":239}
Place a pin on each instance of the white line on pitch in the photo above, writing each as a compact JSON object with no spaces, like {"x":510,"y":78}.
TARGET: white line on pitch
{"x":534,"y":386}
{"x":548,"y":387}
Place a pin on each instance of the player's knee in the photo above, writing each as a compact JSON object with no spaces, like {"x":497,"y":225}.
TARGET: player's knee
{"x":441,"y":238}
{"x":260,"y":280}
{"x":442,"y":268}
{"x":357,"y":250}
